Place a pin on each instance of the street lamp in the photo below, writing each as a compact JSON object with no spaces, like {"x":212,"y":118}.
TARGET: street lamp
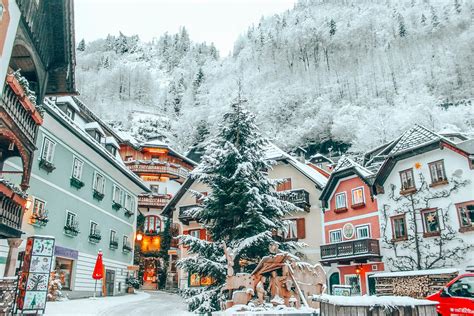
{"x":139,"y":237}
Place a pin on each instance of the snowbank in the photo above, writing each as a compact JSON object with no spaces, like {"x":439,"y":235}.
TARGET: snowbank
{"x":267,"y":309}
{"x":366,"y":300}
{"x":91,"y":306}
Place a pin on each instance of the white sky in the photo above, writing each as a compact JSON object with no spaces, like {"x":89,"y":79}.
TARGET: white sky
{"x":217,"y":21}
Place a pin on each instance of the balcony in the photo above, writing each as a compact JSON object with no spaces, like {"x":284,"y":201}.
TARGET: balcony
{"x":184,"y":213}
{"x":157,"y":168}
{"x":299,"y":197}
{"x":353,"y":250}
{"x":153,"y":200}
{"x":12,"y":202}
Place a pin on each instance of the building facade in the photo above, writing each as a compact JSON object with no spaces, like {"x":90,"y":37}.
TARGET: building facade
{"x":82,"y":194}
{"x":163,"y":169}
{"x":424,"y":192}
{"x":351,"y":248}
{"x":304,"y":185}
{"x":34,"y":62}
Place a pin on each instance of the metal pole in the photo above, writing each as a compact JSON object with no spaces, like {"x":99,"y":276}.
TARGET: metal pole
{"x":95,"y":287}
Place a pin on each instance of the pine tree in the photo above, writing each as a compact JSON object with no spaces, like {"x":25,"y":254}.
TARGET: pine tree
{"x":81,"y":46}
{"x":457,"y":6}
{"x":332,"y":27}
{"x":242,"y":210}
{"x":402,"y":31}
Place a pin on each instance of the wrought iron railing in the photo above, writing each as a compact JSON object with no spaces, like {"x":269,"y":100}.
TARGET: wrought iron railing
{"x":299,"y":197}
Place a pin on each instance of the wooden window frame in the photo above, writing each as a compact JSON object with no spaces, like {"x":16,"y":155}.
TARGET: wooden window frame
{"x":44,"y":154}
{"x":195,"y":230}
{"x":407,"y":190}
{"x":33,"y":209}
{"x":74,"y":159}
{"x":369,"y":231}
{"x":392,"y":220}
{"x":425,"y":230}
{"x":90,"y":227}
{"x":95,"y":186}
{"x":340,"y":209}
{"x":340,"y":234}
{"x":360,"y":204}
{"x":438,"y":182}
{"x":464,"y":228}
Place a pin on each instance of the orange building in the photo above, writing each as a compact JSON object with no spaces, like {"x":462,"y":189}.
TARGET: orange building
{"x":164,"y":170}
{"x":351,"y":228}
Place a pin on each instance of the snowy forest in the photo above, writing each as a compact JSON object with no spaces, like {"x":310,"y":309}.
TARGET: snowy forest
{"x":345,"y":74}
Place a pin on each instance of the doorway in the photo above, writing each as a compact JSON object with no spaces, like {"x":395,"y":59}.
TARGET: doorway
{"x":371,"y":285}
{"x":109,"y":282}
{"x":333,"y":280}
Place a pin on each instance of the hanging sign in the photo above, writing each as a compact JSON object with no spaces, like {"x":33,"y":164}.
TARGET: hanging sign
{"x":9,"y":19}
{"x":34,"y":278}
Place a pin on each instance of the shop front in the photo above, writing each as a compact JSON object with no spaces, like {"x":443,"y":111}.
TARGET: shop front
{"x":357,"y":277}
{"x":63,"y":269}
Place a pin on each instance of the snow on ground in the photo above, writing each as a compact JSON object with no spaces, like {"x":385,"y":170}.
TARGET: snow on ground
{"x":92,"y":306}
{"x":267,"y":309}
{"x":366,"y":300}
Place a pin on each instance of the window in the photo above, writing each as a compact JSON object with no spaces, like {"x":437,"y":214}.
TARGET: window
{"x":292,"y":229}
{"x":113,"y":236}
{"x":353,"y":281}
{"x":341,"y":201}
{"x":77,"y":167}
{"x":335,"y":236}
{"x":38,"y":207}
{"x":128,"y":158}
{"x":358,"y":196}
{"x":71,"y":219}
{"x":463,"y":287}
{"x":97,"y":136}
{"x":125,"y":240}
{"x":128,"y":202}
{"x":47,"y":153}
{"x":99,"y":183}
{"x":70,"y":113}
{"x":438,"y":175}
{"x":63,"y":269}
{"x":152,"y":224}
{"x":285,"y":185}
{"x":196,"y":280}
{"x":154,"y":188}
{"x":466,"y":215}
{"x":117,"y":194}
{"x":430,"y":222}
{"x":195,"y":233}
{"x":399,"y":227}
{"x":93,"y":229}
{"x":363,"y":232}
{"x":407,"y":179}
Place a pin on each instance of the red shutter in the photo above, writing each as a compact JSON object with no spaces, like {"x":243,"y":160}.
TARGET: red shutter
{"x":185,"y":232}
{"x":300,"y":227}
{"x":285,"y":185}
{"x":202,"y":234}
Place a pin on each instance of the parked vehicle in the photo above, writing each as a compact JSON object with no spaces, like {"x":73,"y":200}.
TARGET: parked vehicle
{"x":457,"y":297}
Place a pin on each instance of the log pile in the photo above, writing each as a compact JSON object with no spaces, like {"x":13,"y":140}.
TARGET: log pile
{"x":419,"y":286}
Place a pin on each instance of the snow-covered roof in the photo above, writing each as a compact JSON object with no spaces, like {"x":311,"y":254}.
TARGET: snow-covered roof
{"x":275,"y":153}
{"x":155,"y":142}
{"x":467,"y":146}
{"x":414,"y":273}
{"x":414,"y":137}
{"x":372,"y":300}
{"x":346,"y":163}
{"x":70,"y":101}
{"x":95,"y":126}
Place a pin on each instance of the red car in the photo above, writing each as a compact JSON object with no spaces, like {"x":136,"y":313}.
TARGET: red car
{"x":457,"y":297}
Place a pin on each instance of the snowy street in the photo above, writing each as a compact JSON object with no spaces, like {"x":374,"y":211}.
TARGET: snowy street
{"x":149,"y":303}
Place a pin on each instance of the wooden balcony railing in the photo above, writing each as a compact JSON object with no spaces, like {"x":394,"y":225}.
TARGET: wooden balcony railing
{"x":11,"y":104}
{"x":153,"y":200}
{"x":151,"y":168}
{"x":299,"y":197}
{"x":184,"y":213}
{"x":11,"y":213}
{"x":346,"y":250}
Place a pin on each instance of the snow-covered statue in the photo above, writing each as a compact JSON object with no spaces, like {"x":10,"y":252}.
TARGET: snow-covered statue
{"x":288,"y":280}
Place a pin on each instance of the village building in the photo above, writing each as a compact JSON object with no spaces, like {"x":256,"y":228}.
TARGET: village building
{"x":302,"y":182}
{"x":351,"y":248}
{"x":424,"y":194}
{"x":164,"y":170}
{"x":83,"y":195}
{"x":34,"y":63}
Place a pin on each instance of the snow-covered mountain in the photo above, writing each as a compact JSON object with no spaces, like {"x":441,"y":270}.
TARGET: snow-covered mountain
{"x":326,"y":73}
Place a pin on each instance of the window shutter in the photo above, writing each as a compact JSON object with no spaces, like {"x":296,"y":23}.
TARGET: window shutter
{"x":202,"y":234}
{"x":185,"y":232}
{"x":300,"y":226}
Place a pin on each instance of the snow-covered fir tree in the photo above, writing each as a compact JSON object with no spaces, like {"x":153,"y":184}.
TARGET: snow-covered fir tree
{"x":242,"y":210}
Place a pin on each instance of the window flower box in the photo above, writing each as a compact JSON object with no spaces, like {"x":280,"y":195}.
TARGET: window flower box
{"x":128,"y":213}
{"x":113,"y":244}
{"x":408,"y":191}
{"x":151,"y":232}
{"x":71,"y":230}
{"x":47,"y":166}
{"x":127,"y":248}
{"x":116,"y":206}
{"x":358,"y":205}
{"x":98,"y":195}
{"x":39,"y":220}
{"x":340,"y":210}
{"x":438,"y":182}
{"x":76,"y":183}
{"x":95,"y":237}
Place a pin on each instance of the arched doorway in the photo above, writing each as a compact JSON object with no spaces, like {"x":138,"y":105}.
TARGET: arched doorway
{"x":334,"y":279}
